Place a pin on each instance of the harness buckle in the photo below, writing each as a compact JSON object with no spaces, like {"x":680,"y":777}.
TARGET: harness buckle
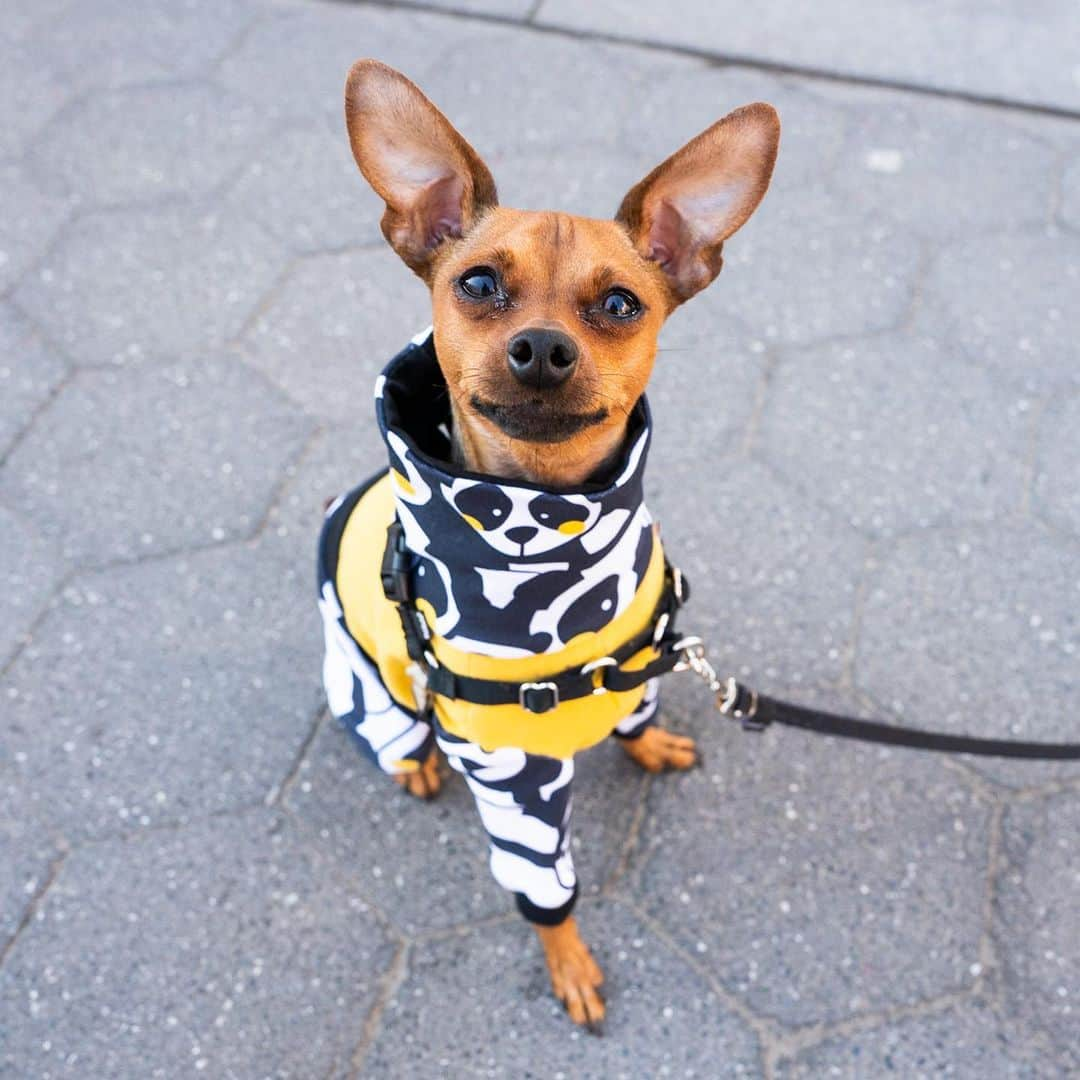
{"x":396,"y":565}
{"x":740,"y":704}
{"x":538,"y":697}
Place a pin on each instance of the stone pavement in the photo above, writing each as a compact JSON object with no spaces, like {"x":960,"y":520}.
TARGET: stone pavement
{"x":867,"y":459}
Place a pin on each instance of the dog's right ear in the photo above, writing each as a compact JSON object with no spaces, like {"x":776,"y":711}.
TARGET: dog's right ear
{"x":433,"y":183}
{"x":680,"y":215}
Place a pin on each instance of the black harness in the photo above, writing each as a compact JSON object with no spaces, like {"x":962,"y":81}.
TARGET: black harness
{"x":596,"y":677}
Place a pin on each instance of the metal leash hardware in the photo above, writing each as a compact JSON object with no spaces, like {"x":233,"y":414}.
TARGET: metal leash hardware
{"x":732,"y":699}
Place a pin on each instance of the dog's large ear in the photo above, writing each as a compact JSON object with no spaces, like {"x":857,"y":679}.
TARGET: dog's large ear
{"x":680,"y":215}
{"x":432,"y":181}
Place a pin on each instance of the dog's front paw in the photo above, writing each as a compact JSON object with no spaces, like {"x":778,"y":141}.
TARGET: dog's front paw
{"x":424,"y":781}
{"x":575,"y":976}
{"x":656,"y":749}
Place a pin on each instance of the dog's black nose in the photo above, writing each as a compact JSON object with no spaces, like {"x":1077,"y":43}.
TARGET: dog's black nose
{"x":542,"y":358}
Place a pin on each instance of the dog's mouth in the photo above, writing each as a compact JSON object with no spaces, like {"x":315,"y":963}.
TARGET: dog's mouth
{"x":537,"y":420}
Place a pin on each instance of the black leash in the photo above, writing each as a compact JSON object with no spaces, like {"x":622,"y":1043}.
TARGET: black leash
{"x":673,"y":653}
{"x":757,"y":711}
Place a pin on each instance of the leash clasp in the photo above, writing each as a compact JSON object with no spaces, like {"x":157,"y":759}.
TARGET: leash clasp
{"x":694,"y":659}
{"x":740,"y":704}
{"x":732,"y":698}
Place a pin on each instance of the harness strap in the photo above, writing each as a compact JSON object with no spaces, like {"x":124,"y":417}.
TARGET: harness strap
{"x":597,"y":677}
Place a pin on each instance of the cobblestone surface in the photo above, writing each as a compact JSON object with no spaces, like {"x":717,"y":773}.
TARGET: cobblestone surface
{"x":30,"y":372}
{"x":736,"y":859}
{"x":31,"y":572}
{"x":1071,"y":195}
{"x":1057,"y":482}
{"x":299,"y":183}
{"x":866,"y":459}
{"x":127,"y":463}
{"x":670,"y":1022}
{"x":173,"y":688}
{"x":24,"y":236}
{"x":148,"y":142}
{"x":946,"y":169}
{"x":1039,"y":948}
{"x":960,"y":50}
{"x":1020,"y":588}
{"x":895,"y":434}
{"x":125,"y":284}
{"x":336,"y":316}
{"x":968,"y":1042}
{"x":246,"y":971}
{"x":1006,"y":300}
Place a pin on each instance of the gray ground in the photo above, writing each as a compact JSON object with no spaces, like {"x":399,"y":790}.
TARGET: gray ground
{"x":867,"y":459}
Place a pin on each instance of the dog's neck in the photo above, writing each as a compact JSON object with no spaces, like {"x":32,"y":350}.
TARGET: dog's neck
{"x":562,"y":465}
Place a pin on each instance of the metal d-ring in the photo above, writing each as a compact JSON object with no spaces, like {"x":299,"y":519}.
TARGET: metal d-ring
{"x":689,"y":646}
{"x":596,"y":665}
{"x":677,"y":584}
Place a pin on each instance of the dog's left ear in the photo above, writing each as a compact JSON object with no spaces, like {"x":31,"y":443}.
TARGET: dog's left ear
{"x":433,"y":182}
{"x":680,"y":215}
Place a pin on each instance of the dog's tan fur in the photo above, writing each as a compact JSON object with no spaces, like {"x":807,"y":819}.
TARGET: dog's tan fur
{"x":663,"y":246}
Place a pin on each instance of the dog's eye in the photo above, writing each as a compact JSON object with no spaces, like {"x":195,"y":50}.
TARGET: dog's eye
{"x":479,"y":283}
{"x":620,"y":304}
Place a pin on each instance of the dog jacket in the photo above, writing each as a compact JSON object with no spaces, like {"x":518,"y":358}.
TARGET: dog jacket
{"x":514,"y":582}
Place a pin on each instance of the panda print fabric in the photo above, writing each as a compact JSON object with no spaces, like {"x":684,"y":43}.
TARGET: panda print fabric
{"x":509,"y":569}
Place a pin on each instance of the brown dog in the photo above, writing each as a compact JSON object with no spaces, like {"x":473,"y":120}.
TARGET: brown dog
{"x":545,"y":324}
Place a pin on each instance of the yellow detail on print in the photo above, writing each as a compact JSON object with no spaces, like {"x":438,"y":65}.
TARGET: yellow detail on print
{"x":402,"y":482}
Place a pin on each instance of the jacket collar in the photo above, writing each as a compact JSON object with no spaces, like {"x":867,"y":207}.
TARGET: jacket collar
{"x":509,"y":568}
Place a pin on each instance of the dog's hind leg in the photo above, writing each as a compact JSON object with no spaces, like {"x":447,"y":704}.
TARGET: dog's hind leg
{"x":400,"y":742}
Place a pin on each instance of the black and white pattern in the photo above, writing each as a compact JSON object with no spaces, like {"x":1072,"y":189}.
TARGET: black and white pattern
{"x":643,"y":715}
{"x":524,"y":802}
{"x":396,"y":739}
{"x":509,"y":569}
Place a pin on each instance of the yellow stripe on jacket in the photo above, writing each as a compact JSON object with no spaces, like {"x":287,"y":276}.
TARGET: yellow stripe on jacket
{"x":373,"y":621}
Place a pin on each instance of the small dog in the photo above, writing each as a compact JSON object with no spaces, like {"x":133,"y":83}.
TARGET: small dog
{"x":515,"y":611}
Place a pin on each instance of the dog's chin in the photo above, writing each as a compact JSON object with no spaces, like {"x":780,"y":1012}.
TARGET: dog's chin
{"x":537,"y":421}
